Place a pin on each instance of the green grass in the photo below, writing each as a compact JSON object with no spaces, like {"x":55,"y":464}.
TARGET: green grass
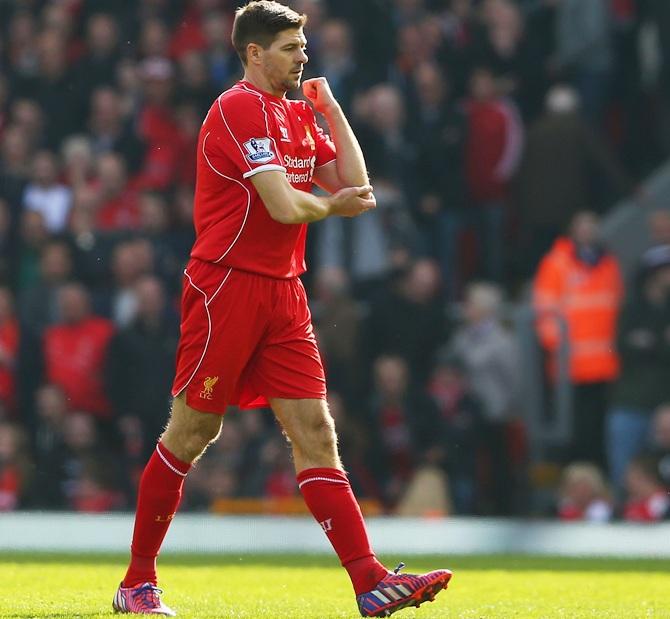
{"x":314,"y":587}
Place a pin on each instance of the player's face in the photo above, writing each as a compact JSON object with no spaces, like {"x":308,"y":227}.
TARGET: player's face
{"x":284,"y":60}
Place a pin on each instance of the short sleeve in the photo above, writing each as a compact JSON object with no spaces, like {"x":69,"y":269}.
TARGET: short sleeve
{"x":325,"y":149}
{"x":241,"y":132}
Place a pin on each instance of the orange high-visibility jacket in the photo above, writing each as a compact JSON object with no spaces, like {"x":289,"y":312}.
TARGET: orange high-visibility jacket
{"x":587,"y":298}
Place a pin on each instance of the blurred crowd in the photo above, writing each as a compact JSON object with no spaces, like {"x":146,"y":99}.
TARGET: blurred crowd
{"x":496,"y":133}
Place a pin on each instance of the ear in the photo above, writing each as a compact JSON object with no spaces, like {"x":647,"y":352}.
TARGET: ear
{"x":254,"y":52}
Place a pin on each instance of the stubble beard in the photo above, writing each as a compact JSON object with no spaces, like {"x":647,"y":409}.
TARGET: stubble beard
{"x":291,"y":83}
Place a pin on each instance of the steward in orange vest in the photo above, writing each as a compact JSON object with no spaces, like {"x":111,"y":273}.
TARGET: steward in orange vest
{"x":581,"y":283}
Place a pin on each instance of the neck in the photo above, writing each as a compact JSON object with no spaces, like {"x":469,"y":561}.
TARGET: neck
{"x":262,"y":83}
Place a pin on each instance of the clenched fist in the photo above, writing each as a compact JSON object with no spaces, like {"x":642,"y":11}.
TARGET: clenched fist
{"x":319,"y":94}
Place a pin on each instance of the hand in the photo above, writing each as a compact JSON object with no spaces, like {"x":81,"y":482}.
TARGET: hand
{"x":352,"y":201}
{"x":319,"y":94}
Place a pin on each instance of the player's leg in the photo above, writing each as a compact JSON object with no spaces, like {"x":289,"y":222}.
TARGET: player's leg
{"x":325,"y":487}
{"x":186,"y":437}
{"x":221,"y":325}
{"x":311,"y":431}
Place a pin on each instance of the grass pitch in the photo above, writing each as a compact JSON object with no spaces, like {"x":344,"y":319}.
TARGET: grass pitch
{"x":314,"y":587}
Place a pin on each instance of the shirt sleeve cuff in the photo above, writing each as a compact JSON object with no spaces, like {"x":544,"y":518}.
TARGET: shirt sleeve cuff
{"x":264,"y":168}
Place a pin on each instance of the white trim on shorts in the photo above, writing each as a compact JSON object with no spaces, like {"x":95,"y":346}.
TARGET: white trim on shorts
{"x":209,"y":325}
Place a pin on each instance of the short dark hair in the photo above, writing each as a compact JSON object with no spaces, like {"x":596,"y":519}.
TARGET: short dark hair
{"x":260,"y":22}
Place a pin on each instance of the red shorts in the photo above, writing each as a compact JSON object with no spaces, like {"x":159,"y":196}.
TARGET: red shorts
{"x":244,"y":338}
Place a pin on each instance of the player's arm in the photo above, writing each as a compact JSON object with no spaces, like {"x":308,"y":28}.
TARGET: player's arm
{"x":288,"y":205}
{"x":348,"y":169}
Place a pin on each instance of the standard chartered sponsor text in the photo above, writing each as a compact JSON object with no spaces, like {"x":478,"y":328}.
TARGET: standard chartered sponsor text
{"x":297,"y":163}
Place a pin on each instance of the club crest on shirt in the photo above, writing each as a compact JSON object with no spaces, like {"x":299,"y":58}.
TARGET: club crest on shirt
{"x":309,"y":140}
{"x":259,"y":150}
{"x":284,"y":134}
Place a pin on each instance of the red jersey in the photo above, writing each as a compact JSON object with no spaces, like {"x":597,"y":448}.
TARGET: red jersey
{"x":247,"y":131}
{"x":75,"y":361}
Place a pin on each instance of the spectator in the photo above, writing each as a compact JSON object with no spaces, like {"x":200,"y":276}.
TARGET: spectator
{"x":51,"y":406}
{"x":14,"y":467}
{"x":79,"y":472}
{"x":75,"y":350}
{"x":221,"y":60}
{"x":194,"y":83}
{"x":404,"y":422}
{"x":98,"y":65}
{"x":659,"y":246}
{"x":130,"y":261}
{"x":579,"y":283}
{"x":648,"y":499}
{"x":408,"y":318}
{"x":338,"y":320}
{"x":22,"y":45}
{"x":118,"y":208}
{"x":110,"y":132}
{"x":156,"y":228}
{"x":157,"y":124}
{"x":8,"y":244}
{"x":368,"y":248}
{"x":337,"y":63}
{"x":15,"y":153}
{"x":505,"y":47}
{"x":492,"y":154}
{"x":382,"y":134}
{"x":34,"y":236}
{"x":78,"y":162}
{"x":584,"y":51}
{"x":583,"y":494}
{"x":54,"y":88}
{"x":491,"y":361}
{"x":440,"y":125}
{"x":140,"y":363}
{"x":461,"y":416}
{"x":27,"y":115}
{"x":38,"y":303}
{"x":644,"y":349}
{"x":188,"y":121}
{"x":46,"y":195}
{"x":660,"y":442}
{"x":550,"y":195}
{"x":9,"y":348}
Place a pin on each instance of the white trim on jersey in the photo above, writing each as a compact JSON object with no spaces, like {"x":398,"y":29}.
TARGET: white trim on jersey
{"x":246,"y":214}
{"x":209,"y":324}
{"x":232,"y":135}
{"x":264,"y":168}
{"x":262,"y":100}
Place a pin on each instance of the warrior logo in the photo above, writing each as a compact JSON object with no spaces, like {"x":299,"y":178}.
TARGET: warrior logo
{"x":208,"y":387}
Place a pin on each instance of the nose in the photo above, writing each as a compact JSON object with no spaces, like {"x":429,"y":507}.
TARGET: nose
{"x":303,"y":57}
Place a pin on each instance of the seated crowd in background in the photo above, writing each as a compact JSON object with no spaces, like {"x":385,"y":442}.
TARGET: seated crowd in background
{"x":463,"y":108}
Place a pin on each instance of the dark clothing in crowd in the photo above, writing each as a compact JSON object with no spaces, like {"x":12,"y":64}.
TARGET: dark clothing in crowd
{"x":140,"y":369}
{"x":644,"y":350}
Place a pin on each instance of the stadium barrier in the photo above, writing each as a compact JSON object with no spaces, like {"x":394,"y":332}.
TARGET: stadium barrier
{"x":206,"y":533}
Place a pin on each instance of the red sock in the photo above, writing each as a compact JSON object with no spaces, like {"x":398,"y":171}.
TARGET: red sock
{"x":157,"y":501}
{"x":329,"y":497}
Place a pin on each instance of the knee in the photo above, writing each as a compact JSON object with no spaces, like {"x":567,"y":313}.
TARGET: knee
{"x":189,"y":443}
{"x":320,"y":437}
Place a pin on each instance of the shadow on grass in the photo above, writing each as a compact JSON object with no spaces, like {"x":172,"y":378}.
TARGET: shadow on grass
{"x":414,"y":563}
